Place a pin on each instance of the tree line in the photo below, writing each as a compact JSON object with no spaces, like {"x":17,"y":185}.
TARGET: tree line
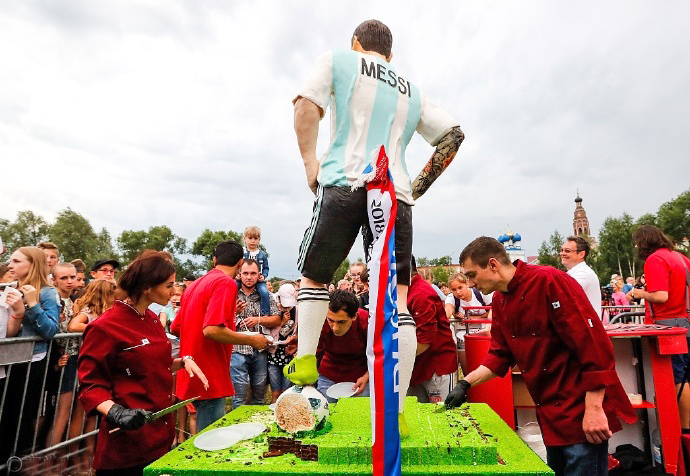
{"x":76,"y":238}
{"x":616,"y":252}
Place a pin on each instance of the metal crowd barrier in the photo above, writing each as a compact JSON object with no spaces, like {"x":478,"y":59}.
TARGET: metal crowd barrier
{"x":633,"y":317}
{"x":609,"y":313}
{"x":27,"y":448}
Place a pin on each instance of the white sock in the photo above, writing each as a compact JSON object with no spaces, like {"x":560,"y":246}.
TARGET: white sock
{"x":407,"y":351}
{"x":312,"y":306}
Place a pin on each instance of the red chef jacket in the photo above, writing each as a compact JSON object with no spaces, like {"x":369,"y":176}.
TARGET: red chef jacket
{"x":344,"y":358}
{"x":210,"y":301}
{"x":126,"y":357}
{"x":433,"y":328}
{"x":545,"y":324}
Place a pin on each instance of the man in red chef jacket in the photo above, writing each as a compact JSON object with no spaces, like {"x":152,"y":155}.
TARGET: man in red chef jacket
{"x":543,"y":322}
{"x":437,"y":357}
{"x":342,"y":350}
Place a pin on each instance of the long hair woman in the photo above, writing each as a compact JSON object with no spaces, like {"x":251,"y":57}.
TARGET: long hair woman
{"x":125,"y":371}
{"x":39,"y":318}
{"x":97,"y":297}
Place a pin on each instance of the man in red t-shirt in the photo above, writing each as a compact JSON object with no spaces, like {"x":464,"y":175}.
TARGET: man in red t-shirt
{"x":342,"y":350}
{"x":666,"y":297}
{"x":206,"y":326}
{"x":437,"y":358}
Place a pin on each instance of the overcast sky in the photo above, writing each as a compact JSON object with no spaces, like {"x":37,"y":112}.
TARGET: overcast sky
{"x":179,"y":113}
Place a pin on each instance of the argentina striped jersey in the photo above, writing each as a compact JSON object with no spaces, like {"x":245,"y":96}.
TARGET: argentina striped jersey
{"x":371,"y":105}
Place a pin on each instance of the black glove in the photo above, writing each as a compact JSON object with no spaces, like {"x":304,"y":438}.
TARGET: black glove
{"x":458,"y":395}
{"x":127,"y":418}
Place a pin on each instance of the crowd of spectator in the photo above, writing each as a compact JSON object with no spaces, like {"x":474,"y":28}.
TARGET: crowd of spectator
{"x":234,"y":303}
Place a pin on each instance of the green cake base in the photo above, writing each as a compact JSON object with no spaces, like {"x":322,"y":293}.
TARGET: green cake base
{"x":470,"y":440}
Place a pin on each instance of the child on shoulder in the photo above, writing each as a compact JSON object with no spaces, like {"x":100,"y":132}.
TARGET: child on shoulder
{"x":252,"y":239}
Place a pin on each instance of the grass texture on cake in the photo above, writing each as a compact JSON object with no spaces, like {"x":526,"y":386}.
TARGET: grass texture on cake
{"x":468,"y":440}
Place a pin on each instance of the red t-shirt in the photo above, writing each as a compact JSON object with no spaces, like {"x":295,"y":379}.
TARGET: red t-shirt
{"x":664,"y":271}
{"x":433,"y":328}
{"x":344,"y":358}
{"x":209,"y":301}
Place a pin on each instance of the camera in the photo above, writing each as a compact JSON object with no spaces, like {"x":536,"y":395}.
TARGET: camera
{"x":13,"y":284}
{"x":606,"y":292}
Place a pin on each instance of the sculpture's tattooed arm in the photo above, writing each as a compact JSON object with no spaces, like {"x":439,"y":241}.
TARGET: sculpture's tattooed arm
{"x":442,"y":157}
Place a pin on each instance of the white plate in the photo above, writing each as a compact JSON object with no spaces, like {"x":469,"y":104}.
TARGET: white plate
{"x":341,"y":390}
{"x":218,"y":439}
{"x":272,"y":407}
{"x":253,"y":333}
{"x":249,"y":430}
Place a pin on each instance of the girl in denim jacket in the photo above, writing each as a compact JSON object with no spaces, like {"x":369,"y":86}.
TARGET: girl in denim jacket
{"x":39,"y":317}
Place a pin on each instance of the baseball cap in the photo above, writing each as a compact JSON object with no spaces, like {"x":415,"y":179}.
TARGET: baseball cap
{"x":101,"y":262}
{"x":286,"y":295}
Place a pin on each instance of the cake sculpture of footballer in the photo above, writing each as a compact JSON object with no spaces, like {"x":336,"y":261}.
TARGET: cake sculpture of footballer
{"x":301,"y":408}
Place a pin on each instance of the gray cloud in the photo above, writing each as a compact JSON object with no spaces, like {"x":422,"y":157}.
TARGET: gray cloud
{"x":179,"y":113}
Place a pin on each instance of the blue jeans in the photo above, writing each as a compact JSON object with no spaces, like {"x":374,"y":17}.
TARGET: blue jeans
{"x":578,"y":459}
{"x":248,"y":369}
{"x":323,"y":384}
{"x":208,"y":411}
{"x":276,"y":378}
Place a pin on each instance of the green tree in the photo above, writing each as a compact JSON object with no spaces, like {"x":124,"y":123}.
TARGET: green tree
{"x":188,"y":267}
{"x":4,"y":223}
{"x":550,"y":251}
{"x":595,"y":262}
{"x":161,"y":238}
{"x":341,"y":271}
{"x":616,"y":249}
{"x":674,"y":217}
{"x":646,"y":219}
{"x":104,"y":245}
{"x":442,"y":261}
{"x":206,"y":243}
{"x":75,"y":236}
{"x":275,"y":280}
{"x":440,"y":274}
{"x":422,"y":261}
{"x":27,"y":230}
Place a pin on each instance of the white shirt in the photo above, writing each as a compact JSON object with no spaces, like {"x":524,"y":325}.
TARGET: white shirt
{"x":5,"y":315}
{"x":450,"y":299}
{"x":372,"y":104}
{"x":474,"y":302}
{"x":587,"y":278}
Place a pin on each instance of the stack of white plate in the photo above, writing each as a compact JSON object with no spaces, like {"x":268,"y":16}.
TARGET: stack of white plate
{"x":221,"y":438}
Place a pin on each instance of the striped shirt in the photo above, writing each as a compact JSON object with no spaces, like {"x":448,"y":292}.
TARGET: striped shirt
{"x":371,"y":105}
{"x":253,"y":308}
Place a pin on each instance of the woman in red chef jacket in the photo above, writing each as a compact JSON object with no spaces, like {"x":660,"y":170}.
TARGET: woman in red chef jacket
{"x":126,"y":368}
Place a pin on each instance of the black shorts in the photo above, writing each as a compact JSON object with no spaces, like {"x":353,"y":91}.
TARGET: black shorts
{"x":339,"y":214}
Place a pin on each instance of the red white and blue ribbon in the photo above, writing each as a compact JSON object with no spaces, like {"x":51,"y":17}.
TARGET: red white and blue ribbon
{"x":382,"y":343}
